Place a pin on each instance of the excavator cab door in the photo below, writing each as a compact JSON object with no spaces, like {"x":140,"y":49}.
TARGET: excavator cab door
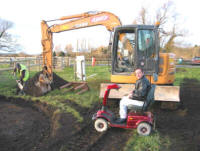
{"x":147,"y":50}
{"x":123,"y":51}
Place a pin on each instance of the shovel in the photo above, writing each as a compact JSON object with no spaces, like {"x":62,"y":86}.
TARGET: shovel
{"x":18,"y":83}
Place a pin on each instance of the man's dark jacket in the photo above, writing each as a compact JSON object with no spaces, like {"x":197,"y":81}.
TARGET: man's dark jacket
{"x":142,"y":87}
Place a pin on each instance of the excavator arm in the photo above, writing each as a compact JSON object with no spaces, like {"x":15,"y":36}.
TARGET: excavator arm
{"x":73,"y":22}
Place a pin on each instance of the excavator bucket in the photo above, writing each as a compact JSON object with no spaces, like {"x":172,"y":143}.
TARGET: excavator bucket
{"x":43,"y":83}
{"x":162,"y":93}
{"x":167,"y":93}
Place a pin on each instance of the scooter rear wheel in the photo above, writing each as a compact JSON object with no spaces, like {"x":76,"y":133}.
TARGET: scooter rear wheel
{"x":101,"y":125}
{"x":144,"y":129}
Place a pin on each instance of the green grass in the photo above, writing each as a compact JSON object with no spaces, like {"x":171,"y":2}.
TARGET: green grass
{"x":86,"y":99}
{"x":4,"y":66}
{"x":154,"y":142}
{"x":99,"y":74}
{"x":57,"y":97}
{"x":186,"y":73}
{"x":8,"y":83}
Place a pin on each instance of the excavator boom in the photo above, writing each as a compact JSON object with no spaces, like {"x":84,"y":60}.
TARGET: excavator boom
{"x":78,"y":21}
{"x":88,"y":19}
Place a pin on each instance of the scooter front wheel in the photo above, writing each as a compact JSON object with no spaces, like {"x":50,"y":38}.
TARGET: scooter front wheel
{"x":101,"y":125}
{"x":144,"y":129}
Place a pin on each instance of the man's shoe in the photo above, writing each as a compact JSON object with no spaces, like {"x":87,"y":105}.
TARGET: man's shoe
{"x":120,"y":120}
{"x":21,"y":93}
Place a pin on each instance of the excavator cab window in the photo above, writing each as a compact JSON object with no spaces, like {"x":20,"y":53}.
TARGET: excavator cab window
{"x":146,"y":41}
{"x":146,"y":50}
{"x":125,"y":41}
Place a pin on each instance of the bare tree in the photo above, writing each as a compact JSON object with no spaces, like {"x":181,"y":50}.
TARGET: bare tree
{"x":8,"y":43}
{"x":142,"y":18}
{"x":69,"y":49}
{"x":167,"y":17}
{"x":163,"y":13}
{"x":58,"y":48}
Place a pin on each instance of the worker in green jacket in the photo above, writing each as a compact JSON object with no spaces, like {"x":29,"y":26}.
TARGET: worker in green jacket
{"x":22,"y":74}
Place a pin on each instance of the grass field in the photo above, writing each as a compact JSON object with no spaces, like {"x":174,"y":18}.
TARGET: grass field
{"x":186,"y":73}
{"x":55,"y":98}
{"x":151,"y":143}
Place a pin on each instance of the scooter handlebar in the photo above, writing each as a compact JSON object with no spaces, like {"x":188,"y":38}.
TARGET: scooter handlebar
{"x":113,"y":86}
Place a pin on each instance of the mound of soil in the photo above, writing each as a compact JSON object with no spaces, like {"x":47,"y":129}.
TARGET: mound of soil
{"x":31,"y":89}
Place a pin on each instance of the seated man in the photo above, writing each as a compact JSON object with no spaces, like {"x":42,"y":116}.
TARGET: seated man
{"x":137,"y":97}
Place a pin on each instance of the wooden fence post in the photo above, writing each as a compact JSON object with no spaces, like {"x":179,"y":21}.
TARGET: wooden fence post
{"x":29,"y":65}
{"x":39,"y":63}
{"x":75,"y":76}
{"x":69,"y":61}
{"x":62,"y":62}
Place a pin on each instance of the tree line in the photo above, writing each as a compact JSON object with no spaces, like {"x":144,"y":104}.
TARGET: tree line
{"x":166,"y":15}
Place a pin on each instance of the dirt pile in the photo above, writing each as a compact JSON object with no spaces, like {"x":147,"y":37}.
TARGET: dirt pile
{"x":31,"y":89}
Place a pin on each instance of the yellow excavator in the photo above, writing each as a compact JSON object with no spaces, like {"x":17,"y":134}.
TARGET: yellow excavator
{"x":132,"y":46}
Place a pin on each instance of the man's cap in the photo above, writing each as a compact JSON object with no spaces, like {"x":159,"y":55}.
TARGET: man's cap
{"x":17,"y":65}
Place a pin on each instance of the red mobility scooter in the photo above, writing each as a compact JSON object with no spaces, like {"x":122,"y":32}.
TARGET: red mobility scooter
{"x":142,"y":121}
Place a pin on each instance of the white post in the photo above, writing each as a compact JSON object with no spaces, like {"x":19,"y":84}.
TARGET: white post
{"x":80,"y":67}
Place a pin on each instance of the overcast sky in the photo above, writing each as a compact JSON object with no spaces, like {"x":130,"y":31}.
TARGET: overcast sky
{"x":27,"y":15}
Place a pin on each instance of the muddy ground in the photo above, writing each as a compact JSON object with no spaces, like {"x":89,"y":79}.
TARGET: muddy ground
{"x":35,"y":126}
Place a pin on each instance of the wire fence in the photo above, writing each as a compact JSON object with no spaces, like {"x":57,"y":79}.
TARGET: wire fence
{"x":35,"y":64}
{"x":7,"y":64}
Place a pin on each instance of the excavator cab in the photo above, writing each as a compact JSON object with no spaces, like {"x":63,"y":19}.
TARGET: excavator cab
{"x":135,"y":46}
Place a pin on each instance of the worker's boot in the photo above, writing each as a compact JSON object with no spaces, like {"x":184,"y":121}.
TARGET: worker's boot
{"x":17,"y":91}
{"x":21,"y":92}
